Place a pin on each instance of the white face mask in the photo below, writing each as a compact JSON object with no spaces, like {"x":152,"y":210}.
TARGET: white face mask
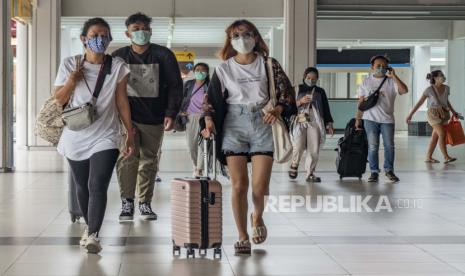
{"x":243,"y":45}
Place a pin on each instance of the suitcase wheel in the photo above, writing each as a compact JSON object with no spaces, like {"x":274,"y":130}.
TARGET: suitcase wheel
{"x":216,"y":253}
{"x":75,"y":218}
{"x":176,"y":249}
{"x":190,"y":252}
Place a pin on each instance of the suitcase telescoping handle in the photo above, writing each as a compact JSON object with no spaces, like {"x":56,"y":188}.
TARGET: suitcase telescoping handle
{"x":205,"y":155}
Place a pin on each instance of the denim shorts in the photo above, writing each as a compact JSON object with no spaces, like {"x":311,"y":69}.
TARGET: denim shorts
{"x":245,"y":133}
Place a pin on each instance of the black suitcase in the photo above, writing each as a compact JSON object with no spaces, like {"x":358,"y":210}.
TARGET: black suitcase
{"x":352,"y":152}
{"x":73,"y":205}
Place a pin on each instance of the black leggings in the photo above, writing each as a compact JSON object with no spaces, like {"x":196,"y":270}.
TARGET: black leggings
{"x":92,"y":177}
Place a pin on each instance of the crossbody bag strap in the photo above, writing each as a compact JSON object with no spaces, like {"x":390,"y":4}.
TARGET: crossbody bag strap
{"x":436,"y":96}
{"x":198,"y":89}
{"x":381,"y":85}
{"x":105,"y":69}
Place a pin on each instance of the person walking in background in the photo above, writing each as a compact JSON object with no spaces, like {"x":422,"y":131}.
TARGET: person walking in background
{"x":379,"y":120}
{"x":191,"y":110}
{"x":439,"y":108}
{"x":310,"y":125}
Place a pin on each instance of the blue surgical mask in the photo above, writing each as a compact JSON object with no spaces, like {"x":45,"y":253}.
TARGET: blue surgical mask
{"x":141,"y":37}
{"x":200,"y":75}
{"x":98,"y":44}
{"x":310,"y":82}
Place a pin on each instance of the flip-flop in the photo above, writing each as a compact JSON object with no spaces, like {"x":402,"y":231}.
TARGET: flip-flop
{"x":450,"y":160}
{"x":432,"y":160}
{"x":243,"y":247}
{"x":259,"y":233}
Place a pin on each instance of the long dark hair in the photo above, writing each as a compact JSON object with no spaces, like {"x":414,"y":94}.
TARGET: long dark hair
{"x":432,"y":75}
{"x":228,"y":51}
{"x":207,"y":80}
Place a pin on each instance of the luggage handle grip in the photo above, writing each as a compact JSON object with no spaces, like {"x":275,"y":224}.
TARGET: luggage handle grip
{"x":205,"y":155}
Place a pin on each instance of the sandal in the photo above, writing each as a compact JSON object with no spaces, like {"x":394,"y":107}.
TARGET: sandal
{"x":432,"y":160}
{"x":450,"y":160}
{"x":314,"y":179}
{"x":293,"y":172}
{"x":243,"y":247}
{"x":259,"y":233}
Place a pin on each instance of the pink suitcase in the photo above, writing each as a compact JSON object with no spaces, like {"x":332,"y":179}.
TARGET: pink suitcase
{"x":197,"y":214}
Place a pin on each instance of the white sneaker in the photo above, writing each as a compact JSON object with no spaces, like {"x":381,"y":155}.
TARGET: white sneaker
{"x":84,"y":237}
{"x":93,"y":244}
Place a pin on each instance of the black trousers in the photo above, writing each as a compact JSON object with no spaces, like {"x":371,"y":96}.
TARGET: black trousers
{"x":92,"y":177}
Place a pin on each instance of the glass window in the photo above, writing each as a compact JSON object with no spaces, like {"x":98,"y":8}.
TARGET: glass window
{"x":356,"y":79}
{"x":342,"y":85}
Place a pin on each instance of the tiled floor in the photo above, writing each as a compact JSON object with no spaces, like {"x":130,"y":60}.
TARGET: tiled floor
{"x":37,"y":237}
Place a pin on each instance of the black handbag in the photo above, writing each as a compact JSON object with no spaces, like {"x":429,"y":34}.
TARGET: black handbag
{"x":372,"y":99}
{"x":180,"y":122}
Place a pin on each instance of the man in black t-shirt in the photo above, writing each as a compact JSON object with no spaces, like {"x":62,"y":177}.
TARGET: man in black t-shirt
{"x":155,"y":95}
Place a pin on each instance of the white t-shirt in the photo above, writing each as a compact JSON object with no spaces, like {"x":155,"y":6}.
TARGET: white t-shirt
{"x":104,"y":133}
{"x":434,"y":97}
{"x":383,"y":111}
{"x":246,"y":84}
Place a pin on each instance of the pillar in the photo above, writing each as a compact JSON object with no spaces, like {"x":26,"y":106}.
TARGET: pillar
{"x":277,"y":44}
{"x":21,"y":85}
{"x":300,"y":37}
{"x":422,"y":66}
{"x":456,"y":70}
{"x":44,"y":58}
{"x":6,"y":90}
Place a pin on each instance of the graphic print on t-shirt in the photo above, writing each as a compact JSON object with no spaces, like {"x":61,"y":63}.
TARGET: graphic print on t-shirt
{"x":249,"y":79}
{"x":144,"y":80}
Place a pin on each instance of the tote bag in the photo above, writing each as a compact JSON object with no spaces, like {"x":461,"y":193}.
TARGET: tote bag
{"x":281,"y":137}
{"x":454,"y":132}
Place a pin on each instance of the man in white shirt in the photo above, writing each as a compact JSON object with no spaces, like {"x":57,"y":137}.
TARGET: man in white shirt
{"x":379,"y":120}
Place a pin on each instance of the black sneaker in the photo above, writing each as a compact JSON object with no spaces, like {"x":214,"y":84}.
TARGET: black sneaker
{"x":373,"y":177}
{"x":146,"y":212}
{"x":127,"y":210}
{"x":392,"y":177}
